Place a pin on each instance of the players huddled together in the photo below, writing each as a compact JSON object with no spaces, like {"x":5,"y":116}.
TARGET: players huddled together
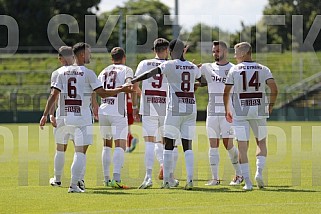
{"x":238,"y":101}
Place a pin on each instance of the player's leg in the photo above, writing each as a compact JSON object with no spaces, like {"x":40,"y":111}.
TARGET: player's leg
{"x":260,"y":132}
{"x":171,"y":133}
{"x":168,"y":160}
{"x":150,"y":131}
{"x":120,"y":136}
{"x":82,"y":140}
{"x":61,"y":139}
{"x":106,"y":134}
{"x":187,"y":132}
{"x":228,"y":135}
{"x":213,"y":133}
{"x":159,"y":146}
{"x":242,"y":133}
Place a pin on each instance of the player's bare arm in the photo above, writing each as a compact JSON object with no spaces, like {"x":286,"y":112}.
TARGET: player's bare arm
{"x":50,"y":103}
{"x":94,"y":105}
{"x":146,"y":75}
{"x":200,"y":82}
{"x":273,"y":93}
{"x":52,"y":117}
{"x":226,"y":99}
{"x":135,"y":102}
{"x":127,"y":88}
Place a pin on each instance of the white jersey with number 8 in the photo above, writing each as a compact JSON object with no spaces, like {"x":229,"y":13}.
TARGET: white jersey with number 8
{"x":181,"y":76}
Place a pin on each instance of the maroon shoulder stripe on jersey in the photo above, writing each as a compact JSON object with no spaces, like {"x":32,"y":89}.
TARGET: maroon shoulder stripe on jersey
{"x":185,"y":94}
{"x":251,"y":95}
{"x":73,"y":102}
{"x":155,"y":93}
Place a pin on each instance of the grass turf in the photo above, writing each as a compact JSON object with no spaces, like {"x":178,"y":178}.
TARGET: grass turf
{"x":292,"y":175}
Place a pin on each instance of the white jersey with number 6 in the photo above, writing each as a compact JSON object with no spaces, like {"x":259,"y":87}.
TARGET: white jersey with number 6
{"x":249,"y":96}
{"x":76,"y":84}
{"x":112,"y":77}
{"x":154,"y":90}
{"x":181,"y":76}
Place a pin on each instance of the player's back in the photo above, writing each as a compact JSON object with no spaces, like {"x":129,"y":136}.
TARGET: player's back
{"x":112,"y":77}
{"x":76,"y":84}
{"x":154,"y":90}
{"x":181,"y":76}
{"x":249,"y":98}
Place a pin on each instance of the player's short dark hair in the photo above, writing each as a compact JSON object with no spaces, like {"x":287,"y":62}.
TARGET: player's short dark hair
{"x":176,"y":46}
{"x":220,"y":43}
{"x":117,"y":53}
{"x":65,"y":51}
{"x":160,"y":44}
{"x":80,"y":46}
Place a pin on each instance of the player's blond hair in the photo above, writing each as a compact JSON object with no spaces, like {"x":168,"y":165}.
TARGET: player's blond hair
{"x":244,"y":47}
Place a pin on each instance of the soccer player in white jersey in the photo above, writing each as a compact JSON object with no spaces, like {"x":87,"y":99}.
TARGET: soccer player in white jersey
{"x":75,"y":85}
{"x":252,"y":106}
{"x":66,"y":58}
{"x":153,"y":110}
{"x":113,"y":117}
{"x":180,"y":119}
{"x":216,"y":125}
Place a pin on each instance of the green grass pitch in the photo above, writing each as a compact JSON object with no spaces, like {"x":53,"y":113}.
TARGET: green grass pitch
{"x":292,"y":174}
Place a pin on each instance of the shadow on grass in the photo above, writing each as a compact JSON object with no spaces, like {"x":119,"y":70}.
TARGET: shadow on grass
{"x":285,"y":189}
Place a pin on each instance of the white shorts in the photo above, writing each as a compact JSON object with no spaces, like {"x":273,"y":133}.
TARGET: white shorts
{"x":242,"y":129}
{"x":176,"y":127}
{"x":153,"y":126}
{"x":217,"y":127}
{"x":115,"y":127}
{"x":82,"y":135}
{"x":58,"y":138}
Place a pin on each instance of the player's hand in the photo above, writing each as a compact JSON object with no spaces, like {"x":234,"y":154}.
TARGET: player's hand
{"x":229,"y":117}
{"x":95,"y":112}
{"x":136,"y":115}
{"x":43,"y":121}
{"x":53,"y":121}
{"x":196,"y":85}
{"x":127,"y":88}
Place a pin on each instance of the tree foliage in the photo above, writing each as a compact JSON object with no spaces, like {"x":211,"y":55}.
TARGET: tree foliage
{"x":145,"y":9}
{"x":282,"y":34}
{"x":33,"y":16}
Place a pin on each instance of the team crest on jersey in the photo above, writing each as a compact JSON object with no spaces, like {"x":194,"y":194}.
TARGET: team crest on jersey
{"x":226,"y":72}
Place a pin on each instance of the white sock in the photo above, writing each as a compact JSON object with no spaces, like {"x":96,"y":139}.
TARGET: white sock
{"x":168,"y":164}
{"x":106,"y":160}
{"x":59,"y":162}
{"x":245,"y":168}
{"x":149,"y":158}
{"x":214,"y":158}
{"x":76,"y":167}
{"x":83,"y":171}
{"x":189,"y":161}
{"x":233,"y":153}
{"x":175,"y":157}
{"x":118,"y":162}
{"x":260,"y":163}
{"x":159,"y":150}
